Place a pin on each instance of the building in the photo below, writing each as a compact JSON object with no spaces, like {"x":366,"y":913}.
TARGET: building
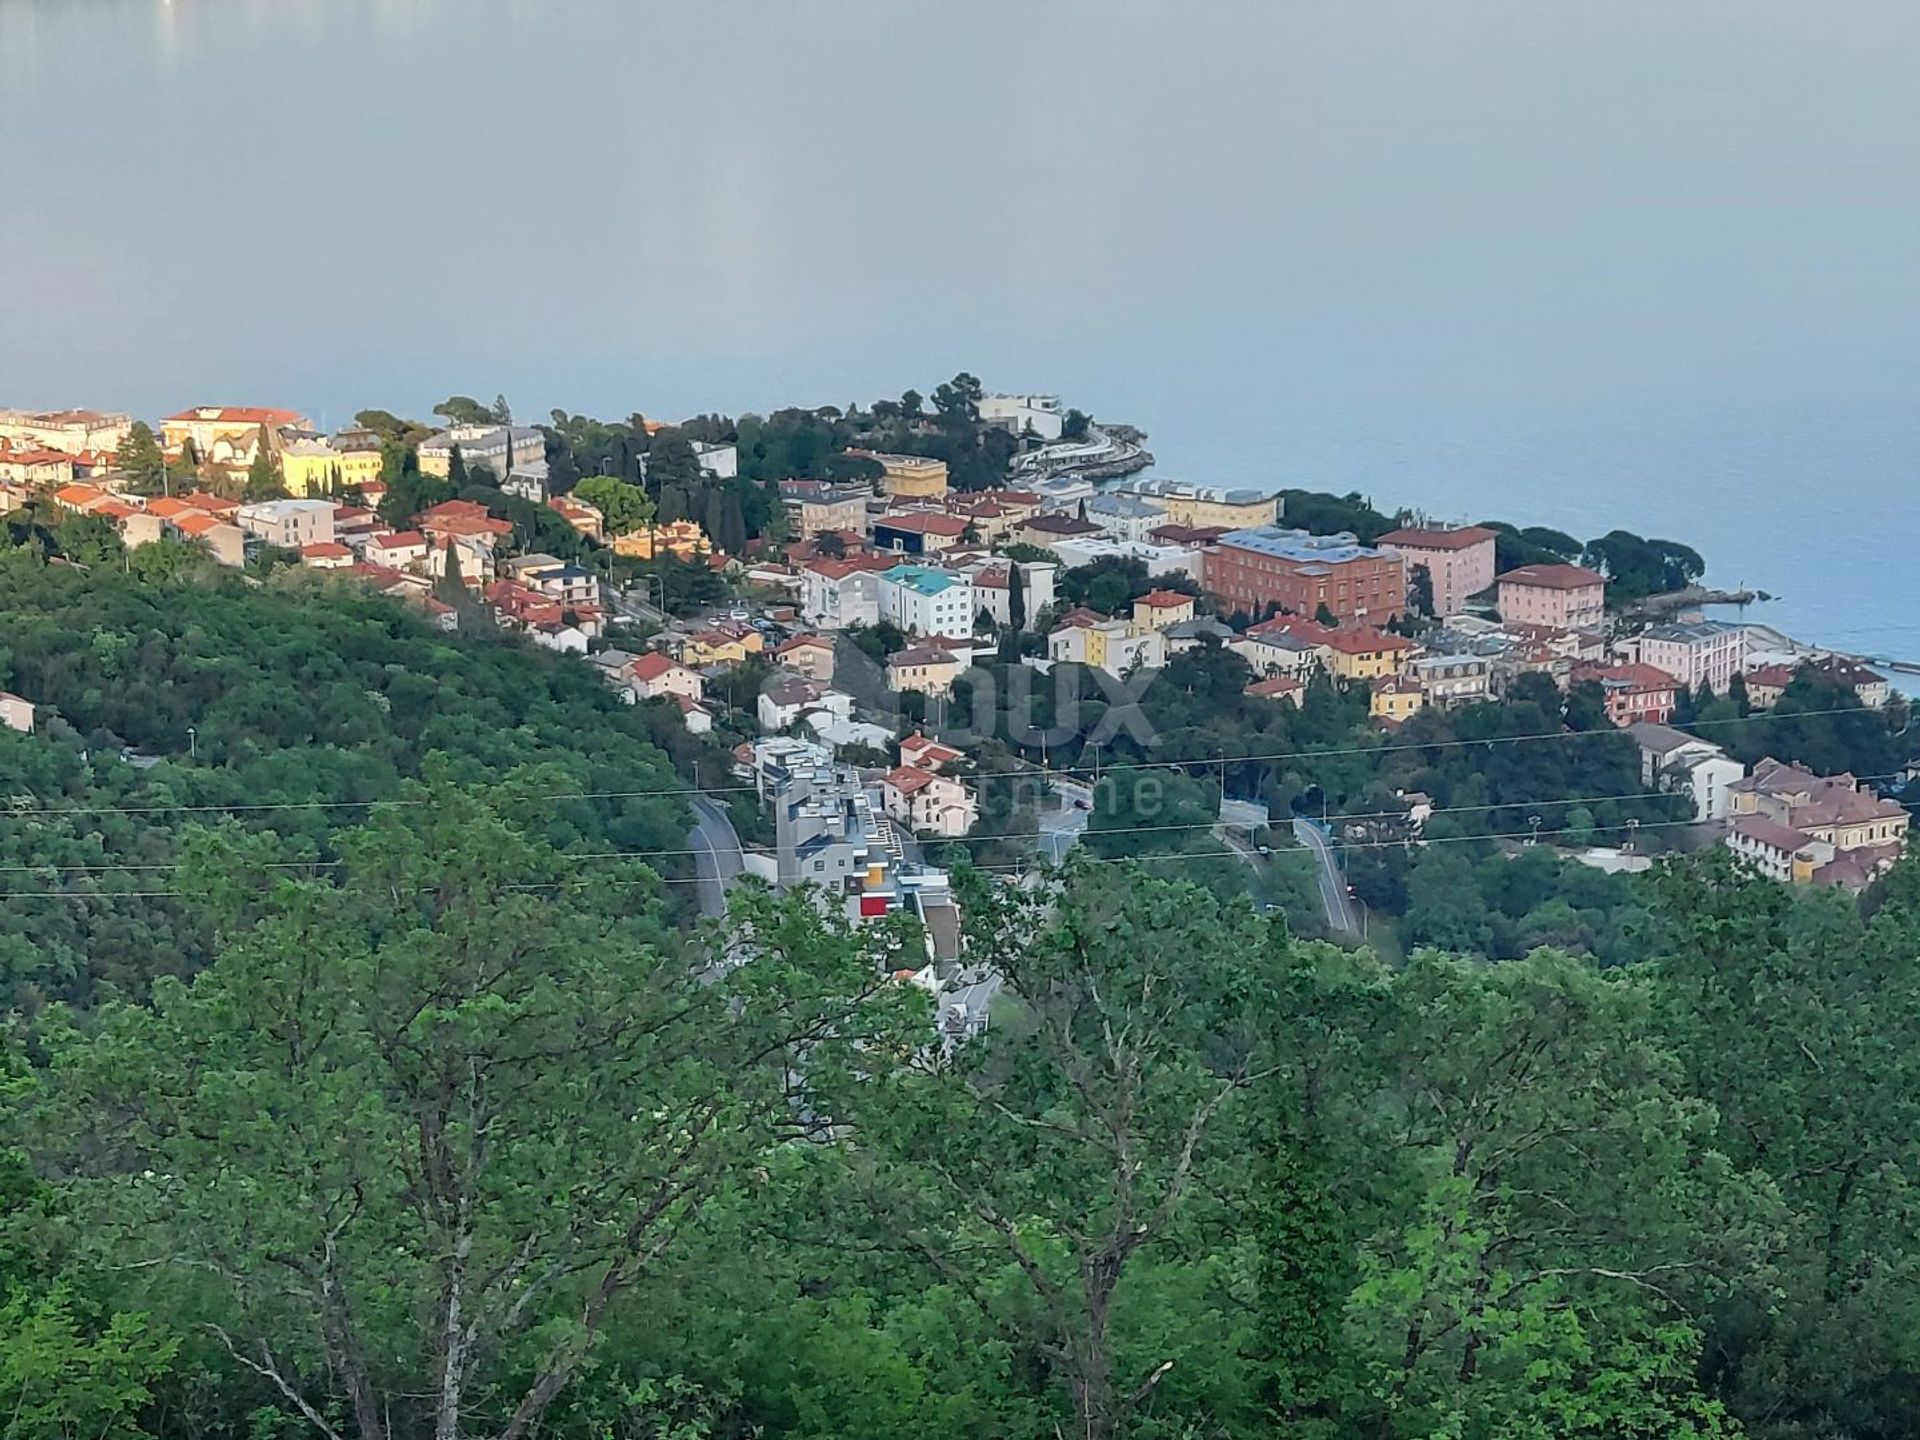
{"x":718,"y":459}
{"x":1672,"y":760}
{"x":327,"y":555}
{"x":1158,"y":609}
{"x":913,"y":477}
{"x":1197,"y":505}
{"x":224,"y":540}
{"x":495,"y":449}
{"x":1767,"y":684}
{"x":1569,"y":597}
{"x":1632,"y":692}
{"x":721,"y":645}
{"x":918,"y":532}
{"x":1251,"y":570}
{"x":835,"y":594}
{"x":653,"y":675}
{"x":315,"y":465}
{"x":1159,"y":559}
{"x":1084,"y":637}
{"x":809,"y":655}
{"x":1396,"y":699}
{"x":1703,"y":653}
{"x":926,"y":668}
{"x":227,"y":436}
{"x":1048,"y":530}
{"x":1459,"y":563}
{"x":572,"y":585}
{"x":72,"y":432}
{"x":397,"y":549}
{"x":1452,"y":679}
{"x":1361,"y":652}
{"x":1037,"y":415}
{"x":1281,"y":688}
{"x":928,"y":802}
{"x":818,"y":507}
{"x":1278,"y":652}
{"x":1869,"y":687}
{"x":1125,"y":517}
{"x":584,"y":518}
{"x":288,"y":524}
{"x":1812,"y":829}
{"x":16,"y":712}
{"x":991,"y":580}
{"x":682,"y":539}
{"x":925,"y":601}
{"x":928,"y":754}
{"x":786,"y":699}
{"x":826,"y":832}
{"x":35,"y":465}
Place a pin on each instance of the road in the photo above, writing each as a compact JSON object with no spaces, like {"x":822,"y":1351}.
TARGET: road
{"x":1333,"y":887}
{"x":717,"y":860}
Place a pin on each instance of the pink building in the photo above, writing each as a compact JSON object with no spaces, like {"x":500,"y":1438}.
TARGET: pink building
{"x":1570,"y":597}
{"x":1459,"y":562}
{"x":1633,"y":692}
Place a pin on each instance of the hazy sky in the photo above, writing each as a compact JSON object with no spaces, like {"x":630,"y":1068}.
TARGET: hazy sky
{"x":1530,"y":247}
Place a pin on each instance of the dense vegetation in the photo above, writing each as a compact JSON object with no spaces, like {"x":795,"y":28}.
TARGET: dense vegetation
{"x":364,"y":1079}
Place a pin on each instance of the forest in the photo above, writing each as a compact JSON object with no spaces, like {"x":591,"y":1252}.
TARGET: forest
{"x":367,"y":1077}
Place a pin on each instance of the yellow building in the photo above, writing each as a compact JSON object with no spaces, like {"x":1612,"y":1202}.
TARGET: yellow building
{"x":227,"y":435}
{"x":1205,"y":506}
{"x":1396,"y":699}
{"x":721,"y":647}
{"x":311,"y":466}
{"x":914,"y":477}
{"x":1158,"y":609}
{"x":1363,"y":654}
{"x":682,"y":539}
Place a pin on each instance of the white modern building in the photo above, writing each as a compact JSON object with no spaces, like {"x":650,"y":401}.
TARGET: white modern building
{"x":1043,"y":415}
{"x":1673,"y":760}
{"x":924,"y":601}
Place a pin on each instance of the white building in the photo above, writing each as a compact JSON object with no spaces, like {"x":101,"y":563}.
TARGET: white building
{"x":990,"y":580}
{"x":1453,"y":679}
{"x":1159,"y":559}
{"x":1706,"y":652}
{"x":928,"y":802}
{"x":837,"y":593}
{"x":1042,"y":414}
{"x":1673,"y":760}
{"x":289,"y":524}
{"x":924,"y":601}
{"x":1125,"y":517}
{"x":483,"y":447}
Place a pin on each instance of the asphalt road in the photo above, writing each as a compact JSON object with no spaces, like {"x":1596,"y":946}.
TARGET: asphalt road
{"x":717,"y":860}
{"x":1333,"y":888}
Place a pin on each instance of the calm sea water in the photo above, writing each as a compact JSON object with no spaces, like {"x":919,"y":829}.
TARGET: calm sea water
{"x":1642,"y":264}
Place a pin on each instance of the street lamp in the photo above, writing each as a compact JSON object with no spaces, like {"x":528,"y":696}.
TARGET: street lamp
{"x":193,"y":743}
{"x":1534,"y":821}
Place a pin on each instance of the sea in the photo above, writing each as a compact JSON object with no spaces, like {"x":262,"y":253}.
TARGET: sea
{"x":1639,"y":265}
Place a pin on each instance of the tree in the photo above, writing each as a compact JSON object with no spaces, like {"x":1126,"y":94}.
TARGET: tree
{"x":1322,"y":615}
{"x":1420,"y":590}
{"x":1039,"y":1170}
{"x":465,"y":410}
{"x":263,"y":473}
{"x":452,"y":1082}
{"x":829,"y":544}
{"x":456,"y":469}
{"x":1016,"y":597}
{"x":141,"y":458}
{"x":625,"y":506}
{"x":1075,"y":426}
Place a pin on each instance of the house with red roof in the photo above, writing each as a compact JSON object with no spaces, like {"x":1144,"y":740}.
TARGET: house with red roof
{"x":653,"y":675}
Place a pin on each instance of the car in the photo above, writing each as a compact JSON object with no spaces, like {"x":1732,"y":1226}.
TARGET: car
{"x":1082,"y":804}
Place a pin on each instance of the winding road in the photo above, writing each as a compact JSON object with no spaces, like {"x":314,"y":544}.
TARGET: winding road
{"x":1333,"y":888}
{"x":717,"y":860}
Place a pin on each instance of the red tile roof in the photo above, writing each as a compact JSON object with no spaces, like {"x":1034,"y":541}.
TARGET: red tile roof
{"x":1164,"y":599}
{"x":237,"y":415}
{"x":325,"y":550}
{"x":1416,"y":537}
{"x":652,"y":665}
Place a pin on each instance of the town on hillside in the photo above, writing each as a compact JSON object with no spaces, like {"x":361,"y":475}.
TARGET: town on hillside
{"x":829,"y":601}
